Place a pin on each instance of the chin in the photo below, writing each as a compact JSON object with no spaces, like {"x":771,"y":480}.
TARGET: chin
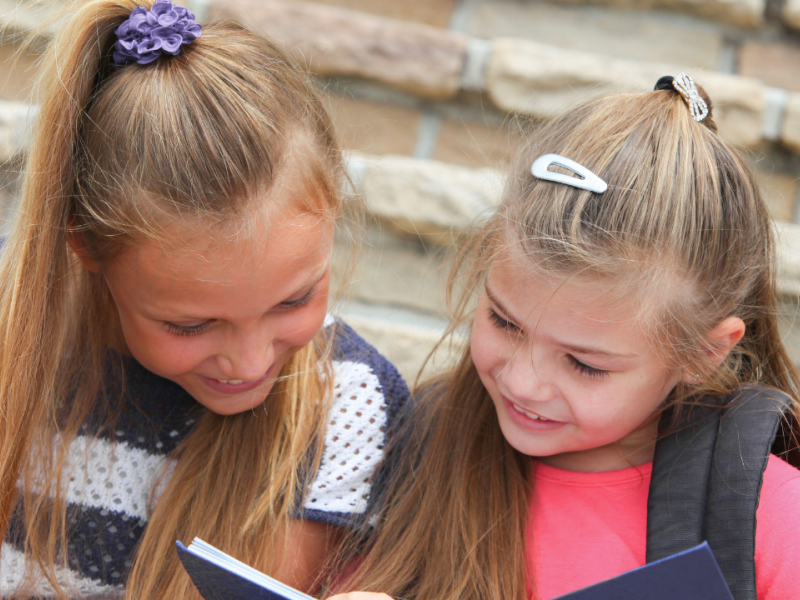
{"x":226,"y":405}
{"x":233,"y":406}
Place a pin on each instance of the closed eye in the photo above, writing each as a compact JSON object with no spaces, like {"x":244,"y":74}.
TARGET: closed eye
{"x":502,"y":323}
{"x":187,"y":329}
{"x":300,"y":302}
{"x":585,"y":369}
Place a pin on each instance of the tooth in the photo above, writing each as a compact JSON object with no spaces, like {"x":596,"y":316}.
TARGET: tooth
{"x":527,"y":414}
{"x":222,"y":380}
{"x":236,"y":381}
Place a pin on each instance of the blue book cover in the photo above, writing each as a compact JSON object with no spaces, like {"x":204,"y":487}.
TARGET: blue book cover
{"x":219,"y":576}
{"x":690,"y":575}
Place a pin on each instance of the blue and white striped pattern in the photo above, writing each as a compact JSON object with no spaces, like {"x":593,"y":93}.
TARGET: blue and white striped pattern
{"x":112,"y":485}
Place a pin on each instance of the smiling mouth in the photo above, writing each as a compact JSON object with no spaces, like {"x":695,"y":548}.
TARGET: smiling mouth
{"x":530,"y":415}
{"x":235,"y":386}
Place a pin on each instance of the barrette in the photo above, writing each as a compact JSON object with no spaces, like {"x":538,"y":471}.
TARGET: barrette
{"x":584,"y":178}
{"x":684,"y":85}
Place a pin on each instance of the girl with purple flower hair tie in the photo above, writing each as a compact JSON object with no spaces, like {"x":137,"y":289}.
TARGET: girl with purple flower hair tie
{"x":168,"y":368}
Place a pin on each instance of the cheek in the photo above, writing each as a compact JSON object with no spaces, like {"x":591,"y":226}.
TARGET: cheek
{"x":485,"y":348}
{"x":298,"y":328}
{"x":166,"y":354}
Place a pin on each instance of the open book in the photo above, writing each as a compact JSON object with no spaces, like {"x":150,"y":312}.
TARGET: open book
{"x":690,"y":575}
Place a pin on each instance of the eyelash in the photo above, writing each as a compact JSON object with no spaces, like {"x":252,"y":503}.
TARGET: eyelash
{"x":191,"y":330}
{"x":582,"y":368}
{"x":197,"y":329}
{"x":585,"y":369}
{"x":300,"y":302}
{"x":502,"y":323}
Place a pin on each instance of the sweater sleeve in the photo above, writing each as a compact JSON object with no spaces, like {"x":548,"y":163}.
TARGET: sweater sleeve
{"x":778,"y":533}
{"x":368,"y":393}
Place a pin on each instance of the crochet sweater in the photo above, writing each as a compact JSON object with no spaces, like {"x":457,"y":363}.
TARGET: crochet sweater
{"x":111,"y":483}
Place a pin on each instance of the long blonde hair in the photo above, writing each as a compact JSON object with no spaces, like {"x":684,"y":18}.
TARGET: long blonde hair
{"x":118,"y":151}
{"x":684,"y":222}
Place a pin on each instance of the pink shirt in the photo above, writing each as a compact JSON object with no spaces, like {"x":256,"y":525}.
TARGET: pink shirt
{"x":588,"y":527}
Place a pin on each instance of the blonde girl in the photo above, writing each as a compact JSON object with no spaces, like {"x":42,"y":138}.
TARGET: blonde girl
{"x":627,"y":280}
{"x":167,"y":369}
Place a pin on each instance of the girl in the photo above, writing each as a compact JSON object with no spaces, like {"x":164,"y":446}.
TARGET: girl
{"x":615,"y":288}
{"x":164,"y":369}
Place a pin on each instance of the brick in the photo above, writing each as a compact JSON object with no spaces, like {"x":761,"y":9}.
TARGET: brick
{"x":425,"y":197}
{"x":624,"y":34}
{"x":374,"y":128}
{"x":543,"y":81}
{"x":412,"y":57}
{"x":394,"y":268}
{"x":431,"y":12}
{"x":17,"y":72}
{"x":791,"y":14}
{"x":475,"y":144}
{"x":790,"y":136}
{"x":777,"y":65}
{"x":780,"y":193}
{"x":744,"y":13}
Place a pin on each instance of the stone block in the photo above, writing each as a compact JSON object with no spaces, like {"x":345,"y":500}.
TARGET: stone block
{"x":15,"y":128}
{"x":374,"y":128}
{"x":543,"y":81}
{"x":17,"y":72}
{"x":475,"y":144}
{"x":790,"y":136}
{"x":787,"y":236}
{"x":36,"y":21}
{"x":431,"y":12}
{"x":658,"y":37}
{"x":391,"y":269}
{"x":789,"y":324}
{"x":406,"y":346}
{"x":777,"y":65}
{"x":413,"y":57}
{"x":791,"y":14}
{"x":780,"y":193}
{"x":426,"y":198}
{"x":744,"y":13}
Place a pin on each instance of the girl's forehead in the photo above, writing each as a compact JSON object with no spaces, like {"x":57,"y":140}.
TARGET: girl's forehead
{"x":223,"y":256}
{"x":525,"y":288}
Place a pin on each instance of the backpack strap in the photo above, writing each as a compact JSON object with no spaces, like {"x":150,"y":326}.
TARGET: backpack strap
{"x":747,"y":432}
{"x":707,"y":475}
{"x":676,"y":503}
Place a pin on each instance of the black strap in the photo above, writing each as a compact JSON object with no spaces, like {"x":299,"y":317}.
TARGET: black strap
{"x":707,"y":476}
{"x":676,"y":503}
{"x":745,"y":437}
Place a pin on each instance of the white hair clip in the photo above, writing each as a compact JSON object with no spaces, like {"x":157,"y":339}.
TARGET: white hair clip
{"x":584,"y":178}
{"x":685,"y":86}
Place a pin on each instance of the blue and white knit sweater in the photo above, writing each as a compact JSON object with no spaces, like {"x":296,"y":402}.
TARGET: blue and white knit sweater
{"x":111,"y":483}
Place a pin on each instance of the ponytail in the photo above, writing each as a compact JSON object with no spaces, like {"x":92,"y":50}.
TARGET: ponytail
{"x":47,"y":315}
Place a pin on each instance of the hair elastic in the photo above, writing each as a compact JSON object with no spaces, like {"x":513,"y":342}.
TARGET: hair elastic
{"x":684,"y":85}
{"x":585,"y":180}
{"x":147,"y":34}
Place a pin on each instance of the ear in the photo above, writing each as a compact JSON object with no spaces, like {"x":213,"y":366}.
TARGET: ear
{"x":78,"y":246}
{"x":719,"y":343}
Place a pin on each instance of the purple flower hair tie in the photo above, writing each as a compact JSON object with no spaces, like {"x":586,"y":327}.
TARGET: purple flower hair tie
{"x":147,"y":34}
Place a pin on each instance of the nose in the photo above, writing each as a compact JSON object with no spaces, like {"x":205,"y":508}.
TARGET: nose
{"x":247,"y":354}
{"x":528,"y":379}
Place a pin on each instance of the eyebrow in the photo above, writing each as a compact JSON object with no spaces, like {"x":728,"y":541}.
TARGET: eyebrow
{"x":306,"y":287}
{"x":588,"y":350}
